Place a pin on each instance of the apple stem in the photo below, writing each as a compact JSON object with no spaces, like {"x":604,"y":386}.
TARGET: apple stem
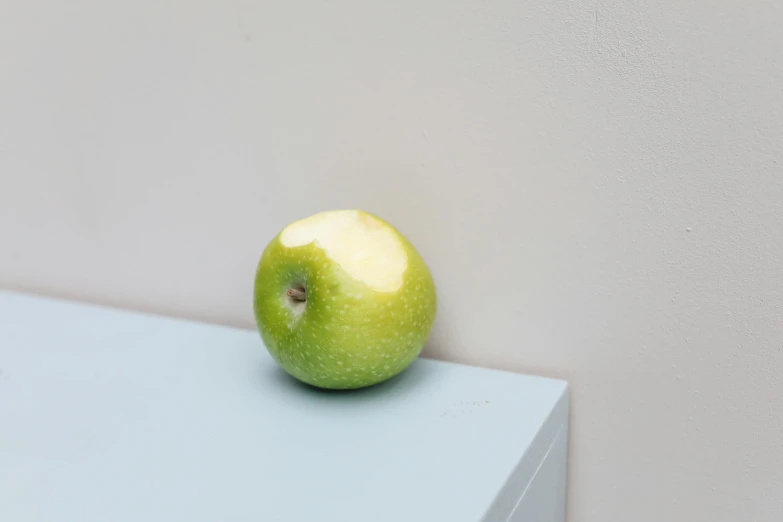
{"x":297,"y":294}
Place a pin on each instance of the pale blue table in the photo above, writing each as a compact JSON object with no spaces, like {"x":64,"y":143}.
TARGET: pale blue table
{"x":113,"y":416}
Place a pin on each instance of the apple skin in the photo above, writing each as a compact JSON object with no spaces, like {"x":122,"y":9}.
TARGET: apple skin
{"x":346,"y":335}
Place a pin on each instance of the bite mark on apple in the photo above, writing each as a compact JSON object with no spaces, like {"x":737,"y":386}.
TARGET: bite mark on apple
{"x":365,"y":248}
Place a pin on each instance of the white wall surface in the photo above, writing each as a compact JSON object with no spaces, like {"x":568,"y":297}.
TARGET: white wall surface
{"x":597,"y":186}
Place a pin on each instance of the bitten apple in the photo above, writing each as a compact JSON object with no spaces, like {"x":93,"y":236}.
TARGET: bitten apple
{"x":342,"y":300}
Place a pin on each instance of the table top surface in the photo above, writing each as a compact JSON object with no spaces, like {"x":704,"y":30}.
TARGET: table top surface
{"x":115,"y":415}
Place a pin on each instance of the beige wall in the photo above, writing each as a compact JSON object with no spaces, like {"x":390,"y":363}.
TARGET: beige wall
{"x":598,"y":188}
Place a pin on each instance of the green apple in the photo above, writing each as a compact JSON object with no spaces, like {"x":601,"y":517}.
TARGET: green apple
{"x":342,"y":300}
